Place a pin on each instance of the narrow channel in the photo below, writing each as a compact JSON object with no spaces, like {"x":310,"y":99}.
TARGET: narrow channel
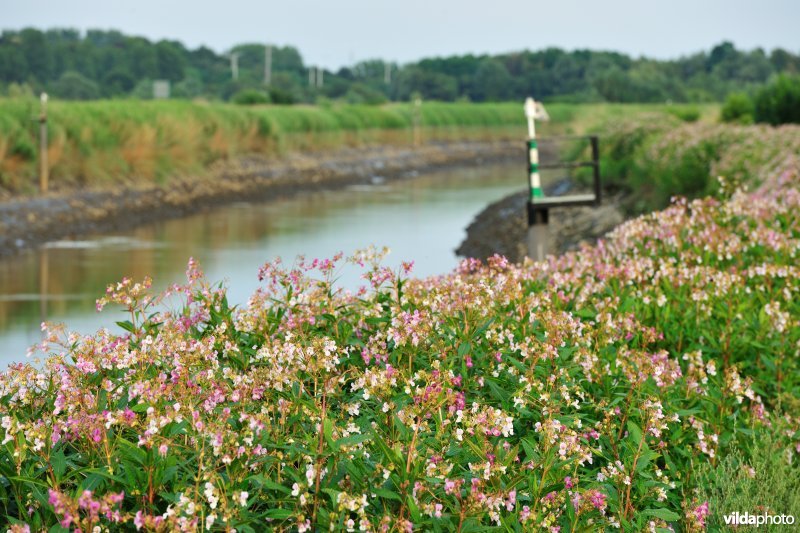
{"x":421,"y":219}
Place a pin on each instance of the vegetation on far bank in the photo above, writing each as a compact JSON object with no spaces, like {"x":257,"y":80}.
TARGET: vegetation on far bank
{"x":116,"y":142}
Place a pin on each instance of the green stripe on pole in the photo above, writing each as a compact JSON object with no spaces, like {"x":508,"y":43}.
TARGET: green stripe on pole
{"x":534,"y":167}
{"x":536,"y":192}
{"x":532,"y":144}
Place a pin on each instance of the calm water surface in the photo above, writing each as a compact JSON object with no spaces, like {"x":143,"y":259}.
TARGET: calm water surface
{"x":423,"y":219}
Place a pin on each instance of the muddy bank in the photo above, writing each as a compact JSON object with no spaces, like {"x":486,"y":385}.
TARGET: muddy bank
{"x":501,"y":228}
{"x":32,"y":221}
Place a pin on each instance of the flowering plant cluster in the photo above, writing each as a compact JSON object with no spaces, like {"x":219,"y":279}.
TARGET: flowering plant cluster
{"x":575,"y":394}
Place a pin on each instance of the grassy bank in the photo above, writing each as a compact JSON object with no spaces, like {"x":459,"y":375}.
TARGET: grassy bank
{"x":112,"y":142}
{"x":108,"y":143}
{"x":653,"y":156}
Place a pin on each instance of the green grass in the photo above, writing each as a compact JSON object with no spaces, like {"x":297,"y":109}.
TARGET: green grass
{"x":108,"y":143}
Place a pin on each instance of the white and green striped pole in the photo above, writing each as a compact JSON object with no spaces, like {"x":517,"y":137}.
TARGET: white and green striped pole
{"x":534,"y":180}
{"x":538,"y":235}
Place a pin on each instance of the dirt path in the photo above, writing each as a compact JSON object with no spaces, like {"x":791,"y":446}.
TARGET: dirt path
{"x":27,"y":222}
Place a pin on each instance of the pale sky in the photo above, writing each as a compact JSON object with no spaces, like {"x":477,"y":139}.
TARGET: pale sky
{"x":335,"y":33}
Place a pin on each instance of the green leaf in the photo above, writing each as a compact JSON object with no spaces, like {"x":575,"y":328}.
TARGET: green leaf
{"x":353,"y":439}
{"x":464,"y":349}
{"x":413,"y":509}
{"x":127,"y":325}
{"x":279,"y":514}
{"x":663,"y":514}
{"x":59,"y":464}
{"x":388,"y":494}
{"x":26,"y":479}
{"x":269,"y":484}
{"x":327,"y":431}
{"x":634,"y":432}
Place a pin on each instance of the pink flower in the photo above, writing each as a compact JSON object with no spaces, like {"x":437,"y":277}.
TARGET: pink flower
{"x":597,"y":499}
{"x":701,"y":512}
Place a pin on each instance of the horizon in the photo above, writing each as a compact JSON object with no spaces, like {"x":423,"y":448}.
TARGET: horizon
{"x":338,"y":35}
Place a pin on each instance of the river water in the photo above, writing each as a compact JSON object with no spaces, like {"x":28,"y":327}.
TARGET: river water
{"x":421,"y":219}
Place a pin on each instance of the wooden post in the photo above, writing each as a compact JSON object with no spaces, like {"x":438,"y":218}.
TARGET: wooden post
{"x":44,"y":169}
{"x":417,"y":121}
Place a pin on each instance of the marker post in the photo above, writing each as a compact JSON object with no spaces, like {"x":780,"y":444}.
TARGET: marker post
{"x":538,"y":234}
{"x":44,"y":167}
{"x":538,"y":237}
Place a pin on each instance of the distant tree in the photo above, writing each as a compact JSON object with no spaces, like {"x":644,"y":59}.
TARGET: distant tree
{"x":121,"y":64}
{"x":74,"y":86}
{"x":117,"y":82}
{"x":38,"y":55}
{"x":281,"y":97}
{"x":430,"y":85}
{"x":614,"y":85}
{"x":568,"y":76}
{"x":783,"y":61}
{"x":188,"y":88}
{"x":492,"y":82}
{"x":725,"y":51}
{"x":738,"y":108}
{"x":779,"y":102}
{"x":170,"y":60}
{"x":143,"y":59}
{"x":13,"y":65}
{"x":250,"y":97}
{"x":360,"y":93}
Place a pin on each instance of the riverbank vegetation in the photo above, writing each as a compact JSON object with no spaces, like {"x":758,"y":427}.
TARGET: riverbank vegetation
{"x":653,"y":157}
{"x":128,"y":143}
{"x":581,"y":393}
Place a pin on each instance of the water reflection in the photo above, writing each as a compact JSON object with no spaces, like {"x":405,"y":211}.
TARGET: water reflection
{"x":421,"y":219}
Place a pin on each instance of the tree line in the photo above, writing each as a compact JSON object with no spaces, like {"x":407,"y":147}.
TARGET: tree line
{"x":96,"y":64}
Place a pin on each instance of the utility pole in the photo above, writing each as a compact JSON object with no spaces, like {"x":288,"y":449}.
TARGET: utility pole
{"x":234,"y":65}
{"x":268,"y":65}
{"x":387,"y":73}
{"x":311,"y":77}
{"x":44,"y":169}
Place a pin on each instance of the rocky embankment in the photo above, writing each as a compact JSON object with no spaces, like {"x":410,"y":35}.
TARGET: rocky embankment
{"x":26,"y":222}
{"x":501,"y":228}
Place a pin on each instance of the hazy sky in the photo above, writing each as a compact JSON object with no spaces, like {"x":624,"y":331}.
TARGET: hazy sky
{"x":333,"y":33}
